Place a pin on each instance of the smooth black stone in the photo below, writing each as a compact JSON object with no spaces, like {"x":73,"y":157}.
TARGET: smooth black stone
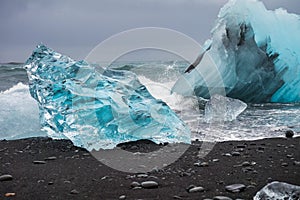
{"x":51,"y":158}
{"x":74,"y":191}
{"x":196,"y":189}
{"x":235,"y":153}
{"x":149,"y":184}
{"x":177,"y":197}
{"x":246,"y":164}
{"x":222,"y":198}
{"x":39,"y":162}
{"x":142,"y":176}
{"x":234,"y":188}
{"x":289,"y":133}
{"x":6,"y":177}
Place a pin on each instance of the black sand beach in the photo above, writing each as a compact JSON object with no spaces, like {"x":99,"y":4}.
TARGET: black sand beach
{"x":42,"y":168}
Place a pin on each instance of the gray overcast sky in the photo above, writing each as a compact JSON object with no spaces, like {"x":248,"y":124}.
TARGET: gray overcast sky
{"x":74,"y":27}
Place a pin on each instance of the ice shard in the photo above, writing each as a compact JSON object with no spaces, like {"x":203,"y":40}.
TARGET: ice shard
{"x":220,"y":108}
{"x":279,"y":191}
{"x":256,"y":52}
{"x":97,"y":108}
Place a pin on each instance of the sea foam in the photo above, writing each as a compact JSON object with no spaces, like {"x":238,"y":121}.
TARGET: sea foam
{"x":19,"y":114}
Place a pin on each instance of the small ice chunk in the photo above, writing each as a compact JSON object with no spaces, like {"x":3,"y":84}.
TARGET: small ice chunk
{"x":220,"y":108}
{"x":279,"y":191}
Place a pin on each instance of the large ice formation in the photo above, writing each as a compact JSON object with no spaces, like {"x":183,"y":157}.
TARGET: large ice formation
{"x":279,"y":191}
{"x":255,"y":50}
{"x":97,"y":109}
{"x":220,"y":108}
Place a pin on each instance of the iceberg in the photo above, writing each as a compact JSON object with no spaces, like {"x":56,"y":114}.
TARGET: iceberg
{"x":279,"y":191}
{"x":97,"y":108}
{"x":255,"y":50}
{"x":220,"y":108}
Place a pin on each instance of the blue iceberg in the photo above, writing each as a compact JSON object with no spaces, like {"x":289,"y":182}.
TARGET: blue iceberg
{"x":97,"y":108}
{"x":256,"y":52}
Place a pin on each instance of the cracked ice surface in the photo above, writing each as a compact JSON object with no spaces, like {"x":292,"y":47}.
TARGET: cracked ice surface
{"x":97,"y":109}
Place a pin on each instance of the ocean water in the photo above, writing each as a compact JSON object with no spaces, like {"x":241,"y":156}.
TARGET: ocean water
{"x":19,"y":111}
